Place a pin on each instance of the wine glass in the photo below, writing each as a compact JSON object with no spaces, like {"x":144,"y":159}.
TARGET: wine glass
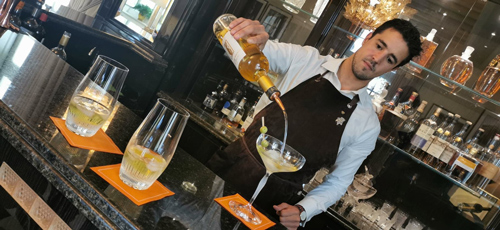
{"x":269,"y":149}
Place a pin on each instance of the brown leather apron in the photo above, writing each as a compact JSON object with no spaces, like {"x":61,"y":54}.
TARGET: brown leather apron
{"x":313,"y":108}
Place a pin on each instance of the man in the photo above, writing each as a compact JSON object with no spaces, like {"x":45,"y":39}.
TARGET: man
{"x":332,"y":121}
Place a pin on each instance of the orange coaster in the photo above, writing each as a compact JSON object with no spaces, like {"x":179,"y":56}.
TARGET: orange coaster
{"x":110,"y":173}
{"x":224,"y":202}
{"x":99,"y":142}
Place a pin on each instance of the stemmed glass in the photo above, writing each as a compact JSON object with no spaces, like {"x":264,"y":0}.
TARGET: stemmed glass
{"x":269,"y":149}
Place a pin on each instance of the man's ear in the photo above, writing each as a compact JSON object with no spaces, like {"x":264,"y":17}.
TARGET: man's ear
{"x":368,"y":37}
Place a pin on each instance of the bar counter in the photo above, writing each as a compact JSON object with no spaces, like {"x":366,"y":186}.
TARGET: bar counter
{"x":36,"y":84}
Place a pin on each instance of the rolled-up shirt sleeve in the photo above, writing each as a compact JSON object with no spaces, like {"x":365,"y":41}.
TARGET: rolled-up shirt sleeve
{"x":335,"y":184}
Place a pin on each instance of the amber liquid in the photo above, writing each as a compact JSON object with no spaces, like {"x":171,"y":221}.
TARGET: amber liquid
{"x":254,"y":67}
{"x":488,"y":83}
{"x":456,"y":69}
{"x":423,"y":59}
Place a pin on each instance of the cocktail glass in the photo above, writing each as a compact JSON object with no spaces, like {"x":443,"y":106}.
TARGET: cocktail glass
{"x":95,"y":96}
{"x":153,"y":144}
{"x":269,"y":149}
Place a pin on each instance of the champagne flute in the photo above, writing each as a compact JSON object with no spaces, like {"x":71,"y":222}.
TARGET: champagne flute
{"x":269,"y":148}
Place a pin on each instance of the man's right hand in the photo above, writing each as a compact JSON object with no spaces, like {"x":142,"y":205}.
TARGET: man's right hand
{"x":252,"y":30}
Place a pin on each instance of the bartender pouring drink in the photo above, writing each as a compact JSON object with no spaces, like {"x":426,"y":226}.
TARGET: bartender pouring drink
{"x":331,"y":118}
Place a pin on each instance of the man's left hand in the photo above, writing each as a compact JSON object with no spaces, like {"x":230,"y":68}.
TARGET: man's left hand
{"x":289,"y":215}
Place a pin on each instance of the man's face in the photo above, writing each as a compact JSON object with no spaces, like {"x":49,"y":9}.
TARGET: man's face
{"x":379,"y":54}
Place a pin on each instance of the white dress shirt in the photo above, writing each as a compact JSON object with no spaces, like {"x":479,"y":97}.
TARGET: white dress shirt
{"x":295,"y":64}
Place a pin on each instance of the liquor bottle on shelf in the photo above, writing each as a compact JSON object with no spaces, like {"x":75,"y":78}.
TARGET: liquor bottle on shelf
{"x":31,"y":25}
{"x":249,"y":118}
{"x":59,"y":50}
{"x":471,"y":146}
{"x":457,"y":68}
{"x":409,"y":126}
{"x":439,"y":144}
{"x":390,"y":105}
{"x":237,"y":112}
{"x":452,"y":150}
{"x":428,"y":48}
{"x":440,"y":128}
{"x":228,"y":106}
{"x":423,"y":135}
{"x":485,"y":171}
{"x":406,"y":108}
{"x":490,"y":148}
{"x":489,"y":82}
{"x":15,"y":18}
{"x":209,"y":102}
{"x":222,"y":97}
{"x":250,"y":61}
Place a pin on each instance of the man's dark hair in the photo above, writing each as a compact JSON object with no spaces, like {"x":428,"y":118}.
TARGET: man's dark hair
{"x":410,"y":35}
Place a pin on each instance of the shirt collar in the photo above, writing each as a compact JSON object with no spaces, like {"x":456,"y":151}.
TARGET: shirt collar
{"x":332,"y":65}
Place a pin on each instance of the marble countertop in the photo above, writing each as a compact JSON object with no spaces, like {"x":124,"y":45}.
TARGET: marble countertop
{"x":36,"y":84}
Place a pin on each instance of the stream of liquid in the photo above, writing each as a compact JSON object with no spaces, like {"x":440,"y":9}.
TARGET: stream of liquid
{"x":285,"y":116}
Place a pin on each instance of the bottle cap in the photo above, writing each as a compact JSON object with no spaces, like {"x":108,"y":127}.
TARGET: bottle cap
{"x":457,"y":116}
{"x":469,"y":123}
{"x":431,"y":35}
{"x":468,"y":51}
{"x":422,"y":106}
{"x":400,"y":90}
{"x":438,"y":111}
{"x":481,"y":130}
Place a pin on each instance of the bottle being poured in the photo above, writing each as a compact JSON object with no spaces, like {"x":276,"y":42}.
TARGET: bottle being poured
{"x":250,"y":61}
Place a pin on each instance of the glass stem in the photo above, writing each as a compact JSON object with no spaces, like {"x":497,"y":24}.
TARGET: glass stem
{"x":259,"y":187}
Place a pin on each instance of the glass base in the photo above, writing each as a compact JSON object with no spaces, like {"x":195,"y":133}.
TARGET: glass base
{"x":245,"y":212}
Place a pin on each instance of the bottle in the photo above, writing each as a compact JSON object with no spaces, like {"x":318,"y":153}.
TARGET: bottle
{"x":471,"y":146}
{"x":249,"y":119}
{"x":440,"y":128}
{"x":406,"y":108}
{"x":463,"y":167}
{"x":228,"y":106}
{"x":222,"y":97}
{"x":250,"y":61}
{"x":423,"y":134}
{"x":439,"y":144}
{"x":15,"y":18}
{"x":31,"y":26}
{"x":59,"y":49}
{"x":451,"y":150}
{"x":428,"y":48}
{"x":409,"y":126}
{"x":492,"y":143}
{"x":209,"y":102}
{"x":390,"y":105}
{"x":457,"y":68}
{"x":489,"y":82}
{"x":237,"y":112}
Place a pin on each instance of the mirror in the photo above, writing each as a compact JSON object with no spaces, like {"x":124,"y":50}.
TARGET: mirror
{"x":145,"y":17}
{"x":81,"y":11}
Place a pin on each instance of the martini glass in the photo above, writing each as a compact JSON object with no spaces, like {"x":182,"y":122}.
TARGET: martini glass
{"x":269,"y":149}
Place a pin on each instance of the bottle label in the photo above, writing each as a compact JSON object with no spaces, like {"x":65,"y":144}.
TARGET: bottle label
{"x":233,"y":48}
{"x":437,"y":147}
{"x":448,"y":153}
{"x":428,"y":143}
{"x":237,"y":118}
{"x":209,"y":102}
{"x":247,"y":122}
{"x":423,"y":134}
{"x":465,"y":163}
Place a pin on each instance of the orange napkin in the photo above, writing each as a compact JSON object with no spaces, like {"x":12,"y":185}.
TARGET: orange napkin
{"x":224,"y":202}
{"x":110,"y":173}
{"x":99,"y":142}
